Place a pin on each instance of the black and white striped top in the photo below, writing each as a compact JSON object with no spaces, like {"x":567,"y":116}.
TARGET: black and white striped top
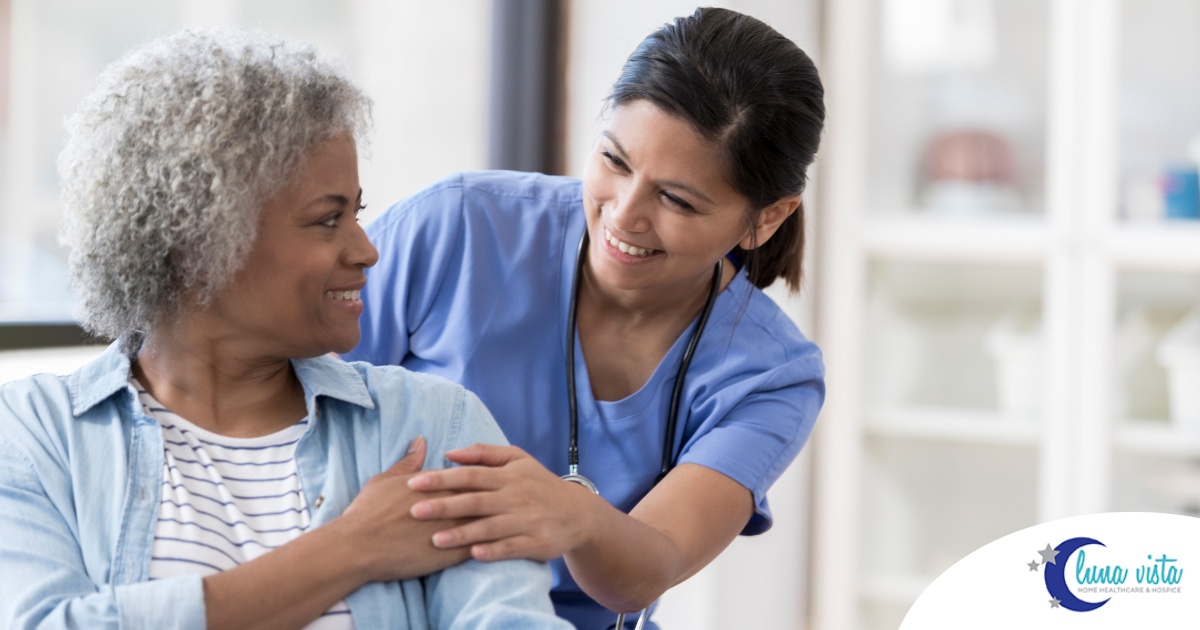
{"x":227,"y":500}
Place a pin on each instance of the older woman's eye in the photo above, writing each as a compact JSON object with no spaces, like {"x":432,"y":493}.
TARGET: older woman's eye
{"x":358,"y":211}
{"x":331,"y":220}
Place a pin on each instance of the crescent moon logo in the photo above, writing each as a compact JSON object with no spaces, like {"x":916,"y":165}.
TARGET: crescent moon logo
{"x":1056,"y":583}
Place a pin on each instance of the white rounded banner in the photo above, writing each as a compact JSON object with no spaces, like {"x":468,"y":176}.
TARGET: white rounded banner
{"x":1113,"y":570}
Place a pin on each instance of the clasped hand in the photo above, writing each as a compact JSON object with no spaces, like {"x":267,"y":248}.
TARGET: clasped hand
{"x":379,"y":528}
{"x":514,"y":506}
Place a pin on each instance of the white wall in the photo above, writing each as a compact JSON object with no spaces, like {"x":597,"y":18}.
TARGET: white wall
{"x":759,"y":582}
{"x":425,"y":64}
{"x":18,"y":364}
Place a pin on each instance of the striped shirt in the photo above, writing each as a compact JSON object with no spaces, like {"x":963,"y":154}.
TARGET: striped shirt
{"x":227,"y":500}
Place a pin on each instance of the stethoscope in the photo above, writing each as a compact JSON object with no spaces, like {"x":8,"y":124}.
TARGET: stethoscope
{"x":668,"y":454}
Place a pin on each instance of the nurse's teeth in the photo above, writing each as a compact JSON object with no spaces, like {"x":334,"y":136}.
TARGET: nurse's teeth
{"x":626,"y":248}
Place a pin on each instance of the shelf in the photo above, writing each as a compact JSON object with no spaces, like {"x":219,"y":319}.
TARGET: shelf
{"x":998,"y":239}
{"x":1156,"y":438}
{"x":952,"y":425}
{"x":1166,"y":246}
{"x":918,"y":280}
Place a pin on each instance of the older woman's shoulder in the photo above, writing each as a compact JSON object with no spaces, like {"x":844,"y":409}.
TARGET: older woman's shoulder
{"x":31,"y":389}
{"x":53,"y":407}
{"x":395,"y":376}
{"x":35,"y":411}
{"x":414,"y":403}
{"x":391,"y":386}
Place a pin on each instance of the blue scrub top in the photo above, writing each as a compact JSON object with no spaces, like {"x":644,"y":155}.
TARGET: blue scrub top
{"x":474,"y":282}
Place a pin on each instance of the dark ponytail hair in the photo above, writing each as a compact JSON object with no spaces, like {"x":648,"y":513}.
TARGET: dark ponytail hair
{"x":740,"y":84}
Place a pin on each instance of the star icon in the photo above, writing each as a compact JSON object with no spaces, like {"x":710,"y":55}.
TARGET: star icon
{"x":1054,"y":603}
{"x":1033,"y":565}
{"x":1048,"y":555}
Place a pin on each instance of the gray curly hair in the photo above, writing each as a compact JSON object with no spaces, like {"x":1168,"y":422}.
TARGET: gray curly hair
{"x":169,"y":160}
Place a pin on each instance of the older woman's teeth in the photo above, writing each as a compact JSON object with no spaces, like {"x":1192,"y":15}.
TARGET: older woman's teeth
{"x":626,"y":248}
{"x":342,"y":295}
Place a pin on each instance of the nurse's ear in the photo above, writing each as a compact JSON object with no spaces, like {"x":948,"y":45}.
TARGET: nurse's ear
{"x":769,"y":220}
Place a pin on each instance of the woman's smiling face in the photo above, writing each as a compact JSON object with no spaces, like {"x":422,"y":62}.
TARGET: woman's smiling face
{"x":298,"y":293}
{"x":660,"y":210}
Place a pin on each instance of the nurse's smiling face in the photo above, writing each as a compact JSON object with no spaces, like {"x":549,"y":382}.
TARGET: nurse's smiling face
{"x":660,"y":210}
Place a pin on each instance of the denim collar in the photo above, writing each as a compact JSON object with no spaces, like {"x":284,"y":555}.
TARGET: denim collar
{"x":108,"y":374}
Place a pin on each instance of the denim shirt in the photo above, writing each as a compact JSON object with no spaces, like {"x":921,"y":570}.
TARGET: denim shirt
{"x":80,"y":476}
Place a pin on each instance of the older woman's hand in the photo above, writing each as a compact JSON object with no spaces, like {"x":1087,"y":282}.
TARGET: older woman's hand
{"x":515,"y":506}
{"x":394,"y":545}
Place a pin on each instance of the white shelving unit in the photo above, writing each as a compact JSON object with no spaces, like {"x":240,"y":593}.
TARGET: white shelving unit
{"x":969,"y":426}
{"x":993,"y":283}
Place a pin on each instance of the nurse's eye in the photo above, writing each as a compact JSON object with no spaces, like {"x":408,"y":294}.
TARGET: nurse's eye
{"x":614,"y":161}
{"x":677,"y":202}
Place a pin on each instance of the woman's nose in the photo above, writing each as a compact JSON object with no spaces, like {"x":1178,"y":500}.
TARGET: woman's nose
{"x":629,"y":213}
{"x":361,"y":252}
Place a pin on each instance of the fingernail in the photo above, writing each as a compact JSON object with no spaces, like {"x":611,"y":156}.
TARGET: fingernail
{"x":421,"y":510}
{"x":416,"y":443}
{"x":441,"y":539}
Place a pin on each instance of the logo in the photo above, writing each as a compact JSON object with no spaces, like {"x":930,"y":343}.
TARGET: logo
{"x":1105,"y":571}
{"x":1073,"y":579}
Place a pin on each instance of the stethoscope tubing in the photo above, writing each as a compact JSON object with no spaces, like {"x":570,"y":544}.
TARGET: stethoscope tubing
{"x":668,"y":455}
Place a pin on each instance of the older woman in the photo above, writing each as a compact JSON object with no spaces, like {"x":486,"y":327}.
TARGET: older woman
{"x":214,"y":467}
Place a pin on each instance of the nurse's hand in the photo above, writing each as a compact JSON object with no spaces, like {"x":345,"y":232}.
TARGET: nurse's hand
{"x":519,"y":508}
{"x":380,"y":529}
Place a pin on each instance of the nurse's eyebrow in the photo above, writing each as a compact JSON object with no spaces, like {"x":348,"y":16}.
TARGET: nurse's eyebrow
{"x":666,"y":184}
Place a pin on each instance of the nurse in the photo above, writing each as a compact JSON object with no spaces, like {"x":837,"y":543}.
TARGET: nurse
{"x":692,"y":191}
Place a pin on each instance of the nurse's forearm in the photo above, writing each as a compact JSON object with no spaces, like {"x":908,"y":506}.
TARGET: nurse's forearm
{"x":626,"y":564}
{"x":628,"y":561}
{"x":519,"y":509}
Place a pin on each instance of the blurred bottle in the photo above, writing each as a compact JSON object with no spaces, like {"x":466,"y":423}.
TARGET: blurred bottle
{"x":1181,"y":191}
{"x":1181,"y":185}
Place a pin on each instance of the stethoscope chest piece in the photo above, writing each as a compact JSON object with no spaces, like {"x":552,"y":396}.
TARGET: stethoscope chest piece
{"x":581,"y":480}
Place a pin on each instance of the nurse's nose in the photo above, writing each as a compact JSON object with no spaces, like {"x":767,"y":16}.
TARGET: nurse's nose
{"x":630,"y":213}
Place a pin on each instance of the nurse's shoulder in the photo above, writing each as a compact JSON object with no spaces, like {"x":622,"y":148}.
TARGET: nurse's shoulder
{"x":489,"y":222}
{"x":472,"y":195}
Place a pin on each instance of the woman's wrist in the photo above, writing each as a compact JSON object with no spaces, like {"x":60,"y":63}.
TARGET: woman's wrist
{"x":289,"y":586}
{"x":354,"y":557}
